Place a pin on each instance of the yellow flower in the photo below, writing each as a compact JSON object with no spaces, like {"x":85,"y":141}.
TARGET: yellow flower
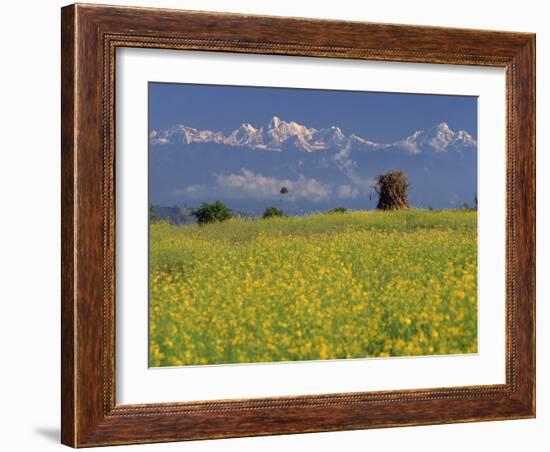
{"x":313,"y":287}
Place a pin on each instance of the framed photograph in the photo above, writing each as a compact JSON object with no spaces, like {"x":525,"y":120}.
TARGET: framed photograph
{"x":281,"y":225}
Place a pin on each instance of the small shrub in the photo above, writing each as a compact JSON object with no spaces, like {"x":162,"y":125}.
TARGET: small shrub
{"x":212,"y":213}
{"x":153,"y":217}
{"x":271,"y":212}
{"x":337,"y":210}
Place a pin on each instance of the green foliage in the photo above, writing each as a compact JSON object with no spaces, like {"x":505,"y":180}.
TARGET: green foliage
{"x":271,"y":212}
{"x":337,"y":210}
{"x":212,"y":213}
{"x":467,"y":207}
{"x":153,"y":217}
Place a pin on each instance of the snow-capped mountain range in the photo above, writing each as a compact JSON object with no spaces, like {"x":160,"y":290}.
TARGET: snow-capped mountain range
{"x":278,"y":135}
{"x":321,"y":168}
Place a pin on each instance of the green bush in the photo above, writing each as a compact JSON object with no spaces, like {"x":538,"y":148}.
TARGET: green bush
{"x":338,"y":210}
{"x":153,"y":217}
{"x":212,"y":213}
{"x":271,"y":212}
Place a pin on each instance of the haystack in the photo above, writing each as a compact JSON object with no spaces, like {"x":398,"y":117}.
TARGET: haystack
{"x":392,"y":189}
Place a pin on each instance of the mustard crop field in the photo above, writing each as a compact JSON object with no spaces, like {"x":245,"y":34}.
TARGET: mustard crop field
{"x":324,"y":286}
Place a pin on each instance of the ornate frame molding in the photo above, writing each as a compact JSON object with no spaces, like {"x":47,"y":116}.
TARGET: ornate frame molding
{"x":90,"y":37}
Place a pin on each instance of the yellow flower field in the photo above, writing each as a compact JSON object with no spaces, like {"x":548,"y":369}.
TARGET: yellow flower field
{"x":325,"y":286}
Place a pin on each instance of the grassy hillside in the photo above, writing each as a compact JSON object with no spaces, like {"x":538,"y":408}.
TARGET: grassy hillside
{"x":327,"y":286}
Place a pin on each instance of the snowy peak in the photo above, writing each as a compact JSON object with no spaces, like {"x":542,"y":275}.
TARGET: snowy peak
{"x":185,"y":135}
{"x":439,"y":138}
{"x":355,"y":139}
{"x":274,"y":136}
{"x":280,"y":135}
{"x":245,"y":135}
{"x":328,"y":137}
{"x":277,"y":132}
{"x":463,"y":138}
{"x":247,"y":127}
{"x":274,"y":123}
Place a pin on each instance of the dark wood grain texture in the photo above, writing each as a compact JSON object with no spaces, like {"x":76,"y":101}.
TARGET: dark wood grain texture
{"x":68,"y":147}
{"x":90,"y":36}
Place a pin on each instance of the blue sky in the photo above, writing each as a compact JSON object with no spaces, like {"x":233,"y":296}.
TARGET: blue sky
{"x":342,"y":175}
{"x":382,"y":117}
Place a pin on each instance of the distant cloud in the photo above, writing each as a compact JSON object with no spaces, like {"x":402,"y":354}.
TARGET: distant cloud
{"x":347,"y":192}
{"x":191,"y":190}
{"x":407,"y":145}
{"x":247,"y":184}
{"x":349,"y":166}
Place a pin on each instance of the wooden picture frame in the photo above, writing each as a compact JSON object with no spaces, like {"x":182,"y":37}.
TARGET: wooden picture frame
{"x":90,"y":36}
